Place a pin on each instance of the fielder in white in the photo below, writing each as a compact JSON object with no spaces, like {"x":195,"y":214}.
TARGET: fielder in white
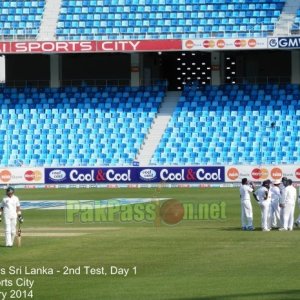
{"x":246,"y":207}
{"x":10,"y":208}
{"x":283,"y":184}
{"x":297,"y":223}
{"x":275,"y":208}
{"x":263,"y":197}
{"x":282,"y":187}
{"x":287,"y":205}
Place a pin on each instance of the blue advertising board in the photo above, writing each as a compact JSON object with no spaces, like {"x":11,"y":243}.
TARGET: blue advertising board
{"x":284,"y":42}
{"x":106,"y":175}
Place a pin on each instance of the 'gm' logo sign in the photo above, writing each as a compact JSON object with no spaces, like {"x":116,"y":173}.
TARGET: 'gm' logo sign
{"x":289,"y":42}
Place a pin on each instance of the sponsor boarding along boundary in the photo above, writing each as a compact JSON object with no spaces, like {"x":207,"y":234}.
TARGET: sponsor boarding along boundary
{"x":134,"y":177}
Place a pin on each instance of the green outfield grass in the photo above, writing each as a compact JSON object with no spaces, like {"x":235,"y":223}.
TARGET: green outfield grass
{"x":194,"y":259}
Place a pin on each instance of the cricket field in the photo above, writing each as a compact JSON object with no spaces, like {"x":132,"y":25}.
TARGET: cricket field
{"x":147,"y":243}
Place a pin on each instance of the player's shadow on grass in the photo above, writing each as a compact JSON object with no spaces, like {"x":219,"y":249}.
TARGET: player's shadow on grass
{"x":234,"y":229}
{"x":286,"y":295}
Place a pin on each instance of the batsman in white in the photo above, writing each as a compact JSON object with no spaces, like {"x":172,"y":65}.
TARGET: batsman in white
{"x":11,"y":211}
{"x":263,"y":197}
{"x":275,"y":208}
{"x":246,"y":207}
{"x":287,"y":205}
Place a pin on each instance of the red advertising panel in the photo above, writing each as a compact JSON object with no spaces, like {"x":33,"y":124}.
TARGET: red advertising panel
{"x":135,"y":45}
{"x":5,"y":47}
{"x":53,"y":47}
{"x":89,"y":46}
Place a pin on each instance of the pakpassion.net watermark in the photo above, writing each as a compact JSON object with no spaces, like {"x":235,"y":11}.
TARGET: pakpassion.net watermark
{"x":169,"y":211}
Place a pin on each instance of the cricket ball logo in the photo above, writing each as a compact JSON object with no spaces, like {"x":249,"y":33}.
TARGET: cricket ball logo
{"x":171,"y":212}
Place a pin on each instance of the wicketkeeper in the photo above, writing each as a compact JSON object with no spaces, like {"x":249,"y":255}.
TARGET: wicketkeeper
{"x":11,"y":212}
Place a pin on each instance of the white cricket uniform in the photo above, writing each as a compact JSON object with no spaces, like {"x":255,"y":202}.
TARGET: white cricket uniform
{"x":275,"y":208}
{"x":288,"y":201}
{"x":265,"y":205}
{"x":9,"y":205}
{"x":282,"y":189}
{"x":246,"y":206}
{"x":298,"y":219}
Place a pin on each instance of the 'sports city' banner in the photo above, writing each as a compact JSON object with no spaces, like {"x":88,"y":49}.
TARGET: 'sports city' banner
{"x":89,"y":46}
{"x":134,"y":175}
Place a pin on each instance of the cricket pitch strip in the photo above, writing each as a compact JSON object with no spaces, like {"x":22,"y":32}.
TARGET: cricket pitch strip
{"x":63,"y":231}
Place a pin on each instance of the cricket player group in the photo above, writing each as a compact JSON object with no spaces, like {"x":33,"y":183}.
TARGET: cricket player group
{"x":10,"y":209}
{"x":277,"y":202}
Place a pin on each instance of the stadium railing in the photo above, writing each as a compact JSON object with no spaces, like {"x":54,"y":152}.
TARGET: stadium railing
{"x":83,"y":82}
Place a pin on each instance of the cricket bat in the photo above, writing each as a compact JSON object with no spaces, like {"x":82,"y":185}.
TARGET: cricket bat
{"x":19,"y":238}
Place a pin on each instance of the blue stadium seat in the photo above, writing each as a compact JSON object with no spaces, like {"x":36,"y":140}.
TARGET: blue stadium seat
{"x":80,"y":136}
{"x":161,"y":20}
{"x":20,"y":18}
{"x":236,"y":133}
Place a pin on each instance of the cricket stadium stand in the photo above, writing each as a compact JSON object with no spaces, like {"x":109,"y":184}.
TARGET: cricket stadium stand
{"x":21,"y":18}
{"x":89,"y":125}
{"x":122,"y":19}
{"x":75,"y":126}
{"x":246,"y":124}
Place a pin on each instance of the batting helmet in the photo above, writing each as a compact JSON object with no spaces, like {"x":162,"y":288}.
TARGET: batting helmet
{"x":10,"y":189}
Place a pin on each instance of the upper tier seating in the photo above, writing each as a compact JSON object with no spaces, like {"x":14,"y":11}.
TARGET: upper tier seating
{"x":249,"y":124}
{"x":75,"y":126}
{"x":161,"y":19}
{"x":19,"y":18}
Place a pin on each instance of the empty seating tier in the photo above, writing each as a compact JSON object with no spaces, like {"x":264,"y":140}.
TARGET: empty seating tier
{"x":76,"y":126}
{"x":161,"y":19}
{"x":20,"y":18}
{"x":251,"y":124}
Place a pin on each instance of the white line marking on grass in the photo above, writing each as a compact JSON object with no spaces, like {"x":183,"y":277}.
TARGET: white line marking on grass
{"x":71,"y":228}
{"x":62,"y":204}
{"x":62,"y":231}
